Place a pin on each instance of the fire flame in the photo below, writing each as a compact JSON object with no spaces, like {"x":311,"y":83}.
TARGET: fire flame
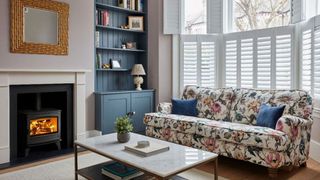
{"x":43,"y":126}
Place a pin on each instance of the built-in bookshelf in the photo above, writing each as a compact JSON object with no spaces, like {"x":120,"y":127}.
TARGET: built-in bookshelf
{"x":112,"y":32}
{"x":115,"y":93}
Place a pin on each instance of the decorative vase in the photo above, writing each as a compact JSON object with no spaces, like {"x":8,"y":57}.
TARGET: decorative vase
{"x":123,"y":137}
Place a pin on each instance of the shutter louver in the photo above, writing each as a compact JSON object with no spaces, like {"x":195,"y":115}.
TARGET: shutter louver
{"x":246,"y":63}
{"x":190,"y":63}
{"x":283,"y":61}
{"x":172,"y":16}
{"x":207,"y":64}
{"x":316,"y":63}
{"x":306,"y":60}
{"x":264,"y":62}
{"x":231,"y":63}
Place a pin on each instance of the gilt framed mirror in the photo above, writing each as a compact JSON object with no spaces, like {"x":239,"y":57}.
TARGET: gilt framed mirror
{"x":39,"y":27}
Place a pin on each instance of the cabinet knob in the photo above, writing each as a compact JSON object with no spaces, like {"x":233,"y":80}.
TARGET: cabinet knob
{"x":130,"y":114}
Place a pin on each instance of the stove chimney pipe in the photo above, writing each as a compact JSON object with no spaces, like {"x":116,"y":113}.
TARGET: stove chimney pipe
{"x":38,"y":101}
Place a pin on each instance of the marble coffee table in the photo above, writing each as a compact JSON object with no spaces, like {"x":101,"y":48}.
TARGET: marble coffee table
{"x":162,"y":166}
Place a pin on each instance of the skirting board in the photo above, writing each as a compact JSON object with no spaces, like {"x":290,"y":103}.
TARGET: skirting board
{"x":314,"y":150}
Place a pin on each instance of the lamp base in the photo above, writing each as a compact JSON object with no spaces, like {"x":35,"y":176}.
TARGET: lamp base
{"x":138,"y":80}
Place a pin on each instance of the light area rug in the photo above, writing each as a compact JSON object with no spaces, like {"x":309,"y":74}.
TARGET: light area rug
{"x":64,"y":170}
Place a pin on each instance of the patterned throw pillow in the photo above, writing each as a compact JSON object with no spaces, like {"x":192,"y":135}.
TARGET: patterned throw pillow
{"x":268,"y":116}
{"x":184,"y":107}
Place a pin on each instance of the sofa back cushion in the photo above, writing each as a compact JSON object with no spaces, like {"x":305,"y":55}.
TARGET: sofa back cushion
{"x":212,"y":103}
{"x":245,"y":107}
{"x":298,"y":102}
{"x":246,"y":104}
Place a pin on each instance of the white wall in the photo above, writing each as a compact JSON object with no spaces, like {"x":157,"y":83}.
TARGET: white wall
{"x":81,"y":48}
{"x":159,"y":53}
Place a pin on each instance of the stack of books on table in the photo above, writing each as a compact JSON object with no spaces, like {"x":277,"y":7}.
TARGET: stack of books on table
{"x":118,"y":171}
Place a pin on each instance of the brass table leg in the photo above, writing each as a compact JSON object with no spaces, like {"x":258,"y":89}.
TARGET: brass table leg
{"x":215,"y":169}
{"x":75,"y":162}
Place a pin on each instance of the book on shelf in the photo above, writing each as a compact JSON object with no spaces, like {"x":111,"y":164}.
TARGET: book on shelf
{"x":152,"y":149}
{"x":139,"y":5}
{"x":99,"y":61}
{"x":136,"y":5}
{"x":123,"y":3}
{"x":97,"y":39}
{"x":102,"y":17}
{"x":118,"y":171}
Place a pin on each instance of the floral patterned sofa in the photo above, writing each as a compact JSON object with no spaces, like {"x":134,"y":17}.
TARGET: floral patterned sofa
{"x":226,"y":124}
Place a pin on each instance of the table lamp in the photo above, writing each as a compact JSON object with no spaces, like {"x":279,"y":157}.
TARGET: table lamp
{"x":138,"y":71}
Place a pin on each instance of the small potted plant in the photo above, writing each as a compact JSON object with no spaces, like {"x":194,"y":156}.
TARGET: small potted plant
{"x":123,"y":127}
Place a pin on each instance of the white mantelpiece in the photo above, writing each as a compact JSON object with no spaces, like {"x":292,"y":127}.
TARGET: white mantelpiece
{"x":10,"y":77}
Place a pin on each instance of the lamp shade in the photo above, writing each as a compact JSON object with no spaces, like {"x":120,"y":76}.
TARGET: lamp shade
{"x":138,"y":70}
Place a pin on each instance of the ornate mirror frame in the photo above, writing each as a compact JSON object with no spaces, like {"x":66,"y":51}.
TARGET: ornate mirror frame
{"x":17,"y":27}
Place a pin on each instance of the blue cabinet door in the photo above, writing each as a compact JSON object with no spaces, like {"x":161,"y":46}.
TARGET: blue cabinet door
{"x":141,"y":103}
{"x":113,"y":106}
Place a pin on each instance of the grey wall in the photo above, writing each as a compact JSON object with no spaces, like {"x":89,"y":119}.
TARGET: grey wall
{"x":81,"y":47}
{"x":159,"y":53}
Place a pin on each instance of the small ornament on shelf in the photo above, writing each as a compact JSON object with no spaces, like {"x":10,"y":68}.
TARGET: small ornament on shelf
{"x":105,"y":66}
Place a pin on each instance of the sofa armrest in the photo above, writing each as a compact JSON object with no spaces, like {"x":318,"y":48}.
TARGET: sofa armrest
{"x":293,"y":126}
{"x":164,"y":107}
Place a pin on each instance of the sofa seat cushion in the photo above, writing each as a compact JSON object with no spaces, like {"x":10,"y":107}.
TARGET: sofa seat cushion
{"x":180,"y":123}
{"x":248,"y":135}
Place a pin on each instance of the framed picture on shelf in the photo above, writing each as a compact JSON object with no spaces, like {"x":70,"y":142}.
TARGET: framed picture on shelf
{"x":131,"y":45}
{"x":136,"y":23}
{"x":115,"y":63}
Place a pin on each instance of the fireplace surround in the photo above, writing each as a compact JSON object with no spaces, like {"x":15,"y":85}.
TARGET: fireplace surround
{"x":40,"y":115}
{"x":11,"y":77}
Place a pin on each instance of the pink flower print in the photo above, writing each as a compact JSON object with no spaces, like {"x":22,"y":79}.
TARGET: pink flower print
{"x":166,"y":133}
{"x":279,"y":126}
{"x":306,"y":112}
{"x":294,"y":132}
{"x":216,"y":107}
{"x":210,"y":144}
{"x":273,"y":159}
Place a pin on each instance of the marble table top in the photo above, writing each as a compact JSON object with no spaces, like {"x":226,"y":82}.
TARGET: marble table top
{"x":165,"y":164}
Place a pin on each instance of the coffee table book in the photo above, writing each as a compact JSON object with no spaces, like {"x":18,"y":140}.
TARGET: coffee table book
{"x":118,"y":171}
{"x":152,"y":149}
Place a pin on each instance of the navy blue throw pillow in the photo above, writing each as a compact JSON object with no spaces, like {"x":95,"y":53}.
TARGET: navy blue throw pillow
{"x":268,"y":116}
{"x":184,"y":107}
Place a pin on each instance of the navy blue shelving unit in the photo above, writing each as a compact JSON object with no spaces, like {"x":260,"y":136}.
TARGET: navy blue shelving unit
{"x":115,"y":91}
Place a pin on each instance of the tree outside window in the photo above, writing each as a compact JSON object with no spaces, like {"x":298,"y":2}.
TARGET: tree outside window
{"x":195,"y":16}
{"x":259,"y":14}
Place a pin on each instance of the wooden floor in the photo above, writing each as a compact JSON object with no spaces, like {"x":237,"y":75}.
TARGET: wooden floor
{"x":228,"y":168}
{"x":235,"y":169}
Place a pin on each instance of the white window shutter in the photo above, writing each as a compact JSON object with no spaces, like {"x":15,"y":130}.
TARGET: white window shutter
{"x":316,"y":62}
{"x":189,"y":62}
{"x":172,"y":16}
{"x":297,"y":11}
{"x":246,"y":63}
{"x":198,"y":60}
{"x":283,"y":61}
{"x":306,"y":60}
{"x":264,"y":62}
{"x":214,"y":16}
{"x":259,"y":58}
{"x":231,"y":67}
{"x":207,"y":70}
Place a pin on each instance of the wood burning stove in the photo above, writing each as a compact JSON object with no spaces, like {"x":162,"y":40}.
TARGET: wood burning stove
{"x":40,"y":126}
